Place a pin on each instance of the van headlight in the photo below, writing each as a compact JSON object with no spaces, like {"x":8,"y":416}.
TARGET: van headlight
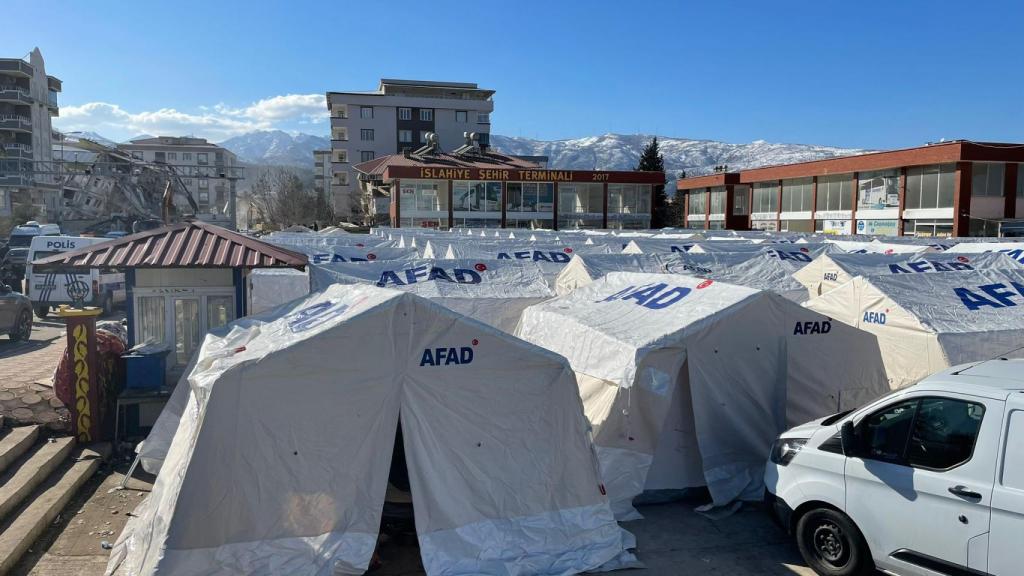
{"x":784,"y":449}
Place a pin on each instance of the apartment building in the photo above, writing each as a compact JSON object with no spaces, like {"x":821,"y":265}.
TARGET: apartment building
{"x":956,"y":188}
{"x":322,"y":174}
{"x":397,"y":116}
{"x":208,"y":171}
{"x":28,"y":99}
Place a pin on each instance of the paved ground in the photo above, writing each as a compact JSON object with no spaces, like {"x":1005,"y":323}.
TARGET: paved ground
{"x":672,"y":539}
{"x":26,"y":377}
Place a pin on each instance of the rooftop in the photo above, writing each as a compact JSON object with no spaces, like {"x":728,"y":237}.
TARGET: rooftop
{"x":191,"y":244}
{"x":486,"y":160}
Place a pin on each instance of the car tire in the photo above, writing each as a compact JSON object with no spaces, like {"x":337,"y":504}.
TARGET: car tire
{"x":832,"y":545}
{"x":42,"y":311}
{"x":22,"y":329}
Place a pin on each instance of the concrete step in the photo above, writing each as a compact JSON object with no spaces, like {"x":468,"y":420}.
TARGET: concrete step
{"x":15,"y":443}
{"x":21,"y":479}
{"x":24,"y":526}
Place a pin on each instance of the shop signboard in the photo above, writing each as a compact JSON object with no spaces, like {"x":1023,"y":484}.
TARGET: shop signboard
{"x":878,"y":227}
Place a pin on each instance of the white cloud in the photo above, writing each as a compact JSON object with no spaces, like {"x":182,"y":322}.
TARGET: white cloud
{"x":216,"y":122}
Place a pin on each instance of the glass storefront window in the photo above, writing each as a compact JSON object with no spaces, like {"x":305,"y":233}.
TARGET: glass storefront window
{"x":987,"y":179}
{"x":741,"y":200}
{"x":698,"y":202}
{"x":529,"y":196}
{"x":834,"y":192}
{"x":797,"y":194}
{"x":718,"y":200}
{"x":766,"y":197}
{"x":468,"y":196}
{"x":878,"y":190}
{"x":581,"y":199}
{"x":930,"y":186}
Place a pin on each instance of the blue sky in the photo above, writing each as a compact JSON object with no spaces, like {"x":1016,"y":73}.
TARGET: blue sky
{"x":855,"y":73}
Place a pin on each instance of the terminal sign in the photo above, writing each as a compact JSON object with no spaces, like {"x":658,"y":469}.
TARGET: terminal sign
{"x":497,"y":174}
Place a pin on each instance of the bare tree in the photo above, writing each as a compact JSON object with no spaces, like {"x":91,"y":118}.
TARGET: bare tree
{"x":281,"y":199}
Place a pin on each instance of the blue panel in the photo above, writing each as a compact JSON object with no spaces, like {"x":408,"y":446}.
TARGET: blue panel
{"x":239,"y":277}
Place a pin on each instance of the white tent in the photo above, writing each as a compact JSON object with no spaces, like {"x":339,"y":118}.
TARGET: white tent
{"x":583,"y":270}
{"x":271,"y":287}
{"x":766,"y":270}
{"x":660,"y":245}
{"x":503,"y":476}
{"x":830,"y":271}
{"x":492,"y":291}
{"x":1014,"y":250}
{"x":876,"y":246}
{"x":928,"y":322}
{"x":687,"y":381}
{"x":327,"y":254}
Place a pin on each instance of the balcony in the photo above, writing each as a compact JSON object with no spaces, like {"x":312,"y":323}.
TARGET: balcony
{"x":15,"y":94}
{"x":51,"y":99}
{"x":15,"y":122}
{"x":16,"y":67}
{"x":16,"y":151}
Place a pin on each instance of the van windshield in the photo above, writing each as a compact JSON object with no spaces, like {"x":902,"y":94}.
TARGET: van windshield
{"x":20,"y":240}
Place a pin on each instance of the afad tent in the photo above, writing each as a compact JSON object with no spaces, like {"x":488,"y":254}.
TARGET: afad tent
{"x":762,"y":271}
{"x":583,"y":270}
{"x":492,"y":291}
{"x":928,"y":322}
{"x":281,"y":461}
{"x":830,"y":271}
{"x":687,"y":381}
{"x":271,"y":287}
{"x":1014,"y":250}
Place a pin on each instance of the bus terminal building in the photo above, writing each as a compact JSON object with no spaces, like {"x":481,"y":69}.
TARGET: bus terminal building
{"x":957,"y":188}
{"x":476,"y":188}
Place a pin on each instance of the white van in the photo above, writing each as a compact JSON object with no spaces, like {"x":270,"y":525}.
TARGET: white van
{"x":95,"y":287}
{"x":927,"y":480}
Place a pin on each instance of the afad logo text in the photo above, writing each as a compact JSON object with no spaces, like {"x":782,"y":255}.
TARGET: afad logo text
{"x":449,"y":356}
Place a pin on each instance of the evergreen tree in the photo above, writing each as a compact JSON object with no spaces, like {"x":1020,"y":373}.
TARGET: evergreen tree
{"x":651,"y":160}
{"x":676,"y":206}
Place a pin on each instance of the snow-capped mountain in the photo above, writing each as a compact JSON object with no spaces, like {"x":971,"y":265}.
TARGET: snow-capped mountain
{"x":98,"y":138}
{"x":276,"y":147}
{"x":696,"y":157}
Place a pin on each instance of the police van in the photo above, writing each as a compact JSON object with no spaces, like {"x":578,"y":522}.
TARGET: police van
{"x":53,"y":287}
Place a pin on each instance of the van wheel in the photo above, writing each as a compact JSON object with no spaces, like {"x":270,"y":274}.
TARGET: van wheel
{"x":832,"y":545}
{"x":42,"y":311}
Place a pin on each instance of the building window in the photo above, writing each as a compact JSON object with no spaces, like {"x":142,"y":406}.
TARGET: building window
{"x":718,"y":200}
{"x":366,"y":112}
{"x":405,"y":113}
{"x":766,"y":197}
{"x":204,"y":183}
{"x":426,"y":114}
{"x":461,"y":116}
{"x":423,"y":136}
{"x":424,"y":197}
{"x":341,"y":155}
{"x":342,"y":177}
{"x":698,"y":202}
{"x":797,"y":194}
{"x":366,"y":134}
{"x":202,"y":158}
{"x":987,"y":179}
{"x":137,"y":155}
{"x":834,"y":192}
{"x":530,"y":196}
{"x":930,"y":186}
{"x":878,"y":190}
{"x":405,"y":135}
{"x":476,"y":196}
{"x":186,"y":156}
{"x":741,"y":200}
{"x":366,"y":155}
{"x":172,"y":155}
{"x":483,"y":118}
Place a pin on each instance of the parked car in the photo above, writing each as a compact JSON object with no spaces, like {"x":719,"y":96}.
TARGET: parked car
{"x":927,"y":480}
{"x":15,"y":314}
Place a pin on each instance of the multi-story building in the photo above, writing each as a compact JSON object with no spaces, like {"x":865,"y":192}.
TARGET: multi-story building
{"x":396,"y":117}
{"x":957,"y":188}
{"x":322,"y":174}
{"x":28,"y":99}
{"x":208,"y":171}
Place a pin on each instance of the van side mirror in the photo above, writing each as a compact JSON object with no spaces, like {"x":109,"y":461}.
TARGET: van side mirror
{"x":848,"y":437}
